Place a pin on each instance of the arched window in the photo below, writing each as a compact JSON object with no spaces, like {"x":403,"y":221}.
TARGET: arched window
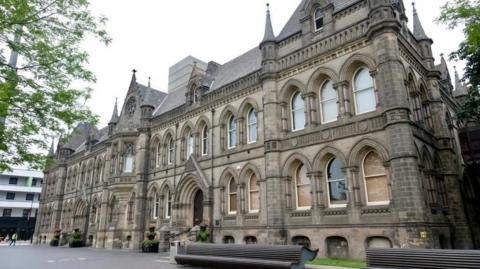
{"x":364,"y":92}
{"x":298,"y":112}
{"x":302,"y":187}
{"x":415,"y":103}
{"x":337,"y":191}
{"x":195,"y":96}
{"x":232,"y":132}
{"x":253,"y":194}
{"x":128,"y":163}
{"x":318,"y":19}
{"x":157,"y":155}
{"x":189,"y":144}
{"x":328,"y":103}
{"x":156,"y":205}
{"x":205,"y":140}
{"x":228,"y":239}
{"x":250,"y":240}
{"x":375,"y":176}
{"x":232,"y":197}
{"x":171,"y":151}
{"x":252,"y":126}
{"x":168,"y":204}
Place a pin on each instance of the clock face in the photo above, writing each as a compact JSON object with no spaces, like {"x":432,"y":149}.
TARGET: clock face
{"x":131,"y":105}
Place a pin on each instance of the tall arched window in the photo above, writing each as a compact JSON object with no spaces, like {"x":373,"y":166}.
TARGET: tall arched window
{"x":364,"y":92}
{"x":204,"y":140}
{"x":337,"y":191}
{"x":171,"y":151}
{"x":128,"y":163}
{"x":302,"y":188}
{"x":298,"y":112}
{"x":232,"y":132}
{"x":252,"y":126}
{"x":232,"y":197}
{"x":168,"y":204}
{"x":189,"y":144}
{"x":318,"y":19}
{"x":375,"y":176}
{"x":328,"y":103}
{"x":253,"y":194}
{"x":156,"y":205}
{"x":157,"y":155}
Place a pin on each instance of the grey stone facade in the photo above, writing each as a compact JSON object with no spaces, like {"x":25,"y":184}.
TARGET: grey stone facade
{"x":168,"y":160}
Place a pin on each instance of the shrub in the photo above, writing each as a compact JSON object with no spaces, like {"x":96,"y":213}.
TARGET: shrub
{"x":76,"y":239}
{"x":150,"y":246}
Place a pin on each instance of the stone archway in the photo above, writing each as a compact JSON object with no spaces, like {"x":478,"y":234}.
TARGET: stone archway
{"x":198,"y":208}
{"x":191,"y":206}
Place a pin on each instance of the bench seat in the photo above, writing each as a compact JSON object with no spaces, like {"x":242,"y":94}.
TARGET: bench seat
{"x":230,"y":262}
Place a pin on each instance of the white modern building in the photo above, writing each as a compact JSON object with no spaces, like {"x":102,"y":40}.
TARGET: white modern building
{"x":19,"y":198}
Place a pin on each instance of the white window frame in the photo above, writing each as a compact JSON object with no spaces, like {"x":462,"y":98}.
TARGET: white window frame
{"x":127,"y":157}
{"x":230,"y":131}
{"x":355,"y":91}
{"x":194,"y":92}
{"x":292,"y":111}
{"x":189,"y":140}
{"x":250,"y":191}
{"x":322,"y":102}
{"x":370,"y":176}
{"x":315,"y":18}
{"x":231,"y":212}
{"x":252,"y":126}
{"x":328,"y":187}
{"x":158,"y":155}
{"x":171,"y":151}
{"x":204,"y":143}
{"x":301,"y":208}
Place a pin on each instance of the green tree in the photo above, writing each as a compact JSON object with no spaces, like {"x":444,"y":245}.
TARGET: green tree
{"x":37,"y":99}
{"x":466,"y":13}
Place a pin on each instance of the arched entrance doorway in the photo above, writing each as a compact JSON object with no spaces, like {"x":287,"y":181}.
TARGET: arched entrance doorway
{"x":198,"y":208}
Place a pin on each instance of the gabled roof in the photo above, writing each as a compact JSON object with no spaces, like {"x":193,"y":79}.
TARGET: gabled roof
{"x":294,"y":25}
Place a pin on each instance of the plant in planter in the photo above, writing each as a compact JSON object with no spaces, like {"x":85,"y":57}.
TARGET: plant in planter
{"x":56,"y":239}
{"x":76,"y":239}
{"x":150,"y":245}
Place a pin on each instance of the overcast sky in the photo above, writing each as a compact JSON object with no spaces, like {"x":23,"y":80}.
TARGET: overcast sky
{"x":152,"y":35}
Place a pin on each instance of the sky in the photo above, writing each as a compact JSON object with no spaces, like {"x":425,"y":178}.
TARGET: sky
{"x":152,"y":35}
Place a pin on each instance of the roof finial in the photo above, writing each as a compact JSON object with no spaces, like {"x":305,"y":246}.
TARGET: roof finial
{"x":149,"y":80}
{"x":134,"y":71}
{"x":268,"y":8}
{"x":114,"y":118}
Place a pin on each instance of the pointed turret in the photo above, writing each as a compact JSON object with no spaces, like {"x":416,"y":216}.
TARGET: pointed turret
{"x":443,"y":68}
{"x":269,"y":35}
{"x":114,"y":120}
{"x":418,"y":31}
{"x":133,"y":81}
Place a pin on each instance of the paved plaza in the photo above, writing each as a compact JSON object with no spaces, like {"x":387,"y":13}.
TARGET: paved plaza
{"x":46,"y":257}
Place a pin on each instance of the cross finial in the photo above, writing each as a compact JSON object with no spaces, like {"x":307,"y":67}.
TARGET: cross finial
{"x":134,"y":71}
{"x":149,"y":79}
{"x":268,"y":7}
{"x":441,"y":54}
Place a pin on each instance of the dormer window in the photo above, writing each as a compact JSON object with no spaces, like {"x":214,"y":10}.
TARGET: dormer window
{"x":195,"y":97}
{"x":318,"y":20}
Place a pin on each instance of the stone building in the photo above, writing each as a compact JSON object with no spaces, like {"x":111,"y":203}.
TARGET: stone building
{"x":336,"y":133}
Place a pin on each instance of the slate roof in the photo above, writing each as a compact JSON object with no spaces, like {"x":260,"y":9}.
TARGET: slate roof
{"x":294,"y":26}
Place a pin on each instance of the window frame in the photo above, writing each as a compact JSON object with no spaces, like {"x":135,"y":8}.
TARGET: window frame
{"x":315,"y":19}
{"x":171,"y":151}
{"x":189,"y":144}
{"x":387,"y":202}
{"x":322,"y":114}
{"x":297,"y":207}
{"x":252,"y":126}
{"x":129,"y":155}
{"x":292,"y":111}
{"x":231,"y":120}
{"x":250,"y":191}
{"x":11,"y":194}
{"x":232,"y":212}
{"x":204,"y":138}
{"x":168,"y":205}
{"x":330,"y":205}
{"x":13,"y":179}
{"x":9,"y":215}
{"x":158,"y":154}
{"x":355,"y":90}
{"x":156,"y":205}
{"x":27,"y":195}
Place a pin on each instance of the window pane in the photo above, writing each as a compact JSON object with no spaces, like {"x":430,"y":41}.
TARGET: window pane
{"x":373,"y":165}
{"x":338,"y":192}
{"x":365,"y":101}
{"x":254,"y":200}
{"x":233,"y":203}
{"x":304,"y":196}
{"x":377,"y":189}
{"x":335,"y":170}
{"x":232,"y":187}
{"x":301,"y":176}
{"x":297,"y":101}
{"x":253,"y":183}
{"x":330,"y":111}
{"x":129,"y":164}
{"x":328,"y":92}
{"x":363,"y":80}
{"x":299,"y":119}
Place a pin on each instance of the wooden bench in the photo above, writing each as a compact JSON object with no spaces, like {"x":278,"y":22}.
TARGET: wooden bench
{"x":402,"y":258}
{"x":245,"y":256}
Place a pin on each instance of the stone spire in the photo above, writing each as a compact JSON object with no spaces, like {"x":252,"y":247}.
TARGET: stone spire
{"x":51,"y":151}
{"x":460,"y":88}
{"x":133,"y":82}
{"x":114,"y":118}
{"x":418,"y":31}
{"x":443,"y":68}
{"x":269,"y":35}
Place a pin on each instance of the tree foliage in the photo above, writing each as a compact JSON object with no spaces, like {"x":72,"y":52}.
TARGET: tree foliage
{"x":466,"y":13}
{"x":37,"y":98}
